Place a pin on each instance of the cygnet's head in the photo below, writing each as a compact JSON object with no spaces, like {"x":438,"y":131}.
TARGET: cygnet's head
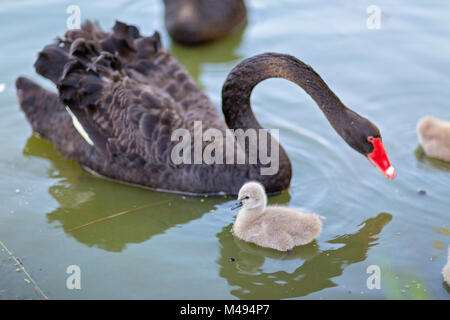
{"x":251,"y":196}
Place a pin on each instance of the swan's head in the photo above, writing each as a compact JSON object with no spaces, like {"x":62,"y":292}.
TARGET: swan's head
{"x":251,"y":196}
{"x":363,"y":136}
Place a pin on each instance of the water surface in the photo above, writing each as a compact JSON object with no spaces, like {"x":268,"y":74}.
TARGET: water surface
{"x":183,"y":248}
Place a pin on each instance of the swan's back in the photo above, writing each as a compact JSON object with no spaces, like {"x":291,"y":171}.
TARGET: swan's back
{"x":141,"y":58}
{"x":434,"y":137}
{"x":129,"y":95}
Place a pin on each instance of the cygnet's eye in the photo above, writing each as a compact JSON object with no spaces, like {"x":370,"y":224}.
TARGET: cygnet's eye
{"x":246,"y":197}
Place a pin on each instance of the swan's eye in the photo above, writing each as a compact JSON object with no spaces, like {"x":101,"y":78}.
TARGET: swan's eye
{"x":246,"y":197}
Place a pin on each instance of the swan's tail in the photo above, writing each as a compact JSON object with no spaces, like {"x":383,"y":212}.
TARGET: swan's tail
{"x":49,"y":118}
{"x":39,"y":105}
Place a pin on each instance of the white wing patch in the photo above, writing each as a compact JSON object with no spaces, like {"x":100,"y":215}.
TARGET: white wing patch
{"x":79,"y":127}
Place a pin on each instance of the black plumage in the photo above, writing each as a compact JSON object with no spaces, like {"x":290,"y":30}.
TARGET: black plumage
{"x":130,"y":94}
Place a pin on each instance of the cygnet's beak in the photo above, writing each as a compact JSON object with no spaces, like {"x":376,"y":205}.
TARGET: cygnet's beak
{"x":238,"y":204}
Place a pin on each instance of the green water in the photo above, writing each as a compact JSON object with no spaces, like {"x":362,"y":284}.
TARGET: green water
{"x":182,"y":249}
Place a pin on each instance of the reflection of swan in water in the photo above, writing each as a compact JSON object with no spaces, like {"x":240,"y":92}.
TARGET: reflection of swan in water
{"x":218,"y":52}
{"x":250,"y":281}
{"x":305,"y":252}
{"x":83,"y":198}
{"x":436,"y":163}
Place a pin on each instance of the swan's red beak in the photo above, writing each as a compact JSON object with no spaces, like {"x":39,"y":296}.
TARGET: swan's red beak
{"x":380,"y":159}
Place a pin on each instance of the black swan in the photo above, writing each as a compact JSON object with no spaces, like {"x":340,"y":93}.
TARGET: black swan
{"x":128,"y":95}
{"x":193,"y":22}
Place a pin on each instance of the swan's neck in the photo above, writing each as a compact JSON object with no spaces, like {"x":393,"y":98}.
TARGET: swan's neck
{"x":244,"y":77}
